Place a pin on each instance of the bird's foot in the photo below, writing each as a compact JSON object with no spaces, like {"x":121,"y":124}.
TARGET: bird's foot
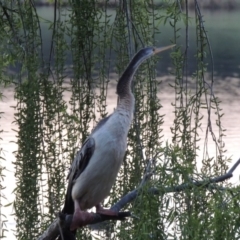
{"x":104,"y":211}
{"x":80,"y":218}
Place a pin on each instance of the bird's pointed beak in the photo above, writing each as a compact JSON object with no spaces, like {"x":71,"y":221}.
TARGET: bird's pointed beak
{"x":161,"y":49}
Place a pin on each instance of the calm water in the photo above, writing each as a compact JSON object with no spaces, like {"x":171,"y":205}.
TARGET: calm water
{"x":223,"y":30}
{"x":224,"y":33}
{"x":227,"y":90}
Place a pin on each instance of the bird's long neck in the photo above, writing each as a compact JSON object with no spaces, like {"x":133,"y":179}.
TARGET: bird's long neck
{"x":126,"y":98}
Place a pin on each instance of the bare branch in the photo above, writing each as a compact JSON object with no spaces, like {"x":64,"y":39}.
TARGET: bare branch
{"x":204,"y":183}
{"x":65,"y":221}
{"x":232,"y":169}
{"x":52,"y":232}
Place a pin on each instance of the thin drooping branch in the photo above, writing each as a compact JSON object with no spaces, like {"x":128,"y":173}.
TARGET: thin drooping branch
{"x":65,"y":220}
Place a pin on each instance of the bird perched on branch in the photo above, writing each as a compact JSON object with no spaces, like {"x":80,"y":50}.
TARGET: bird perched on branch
{"x":96,"y":166}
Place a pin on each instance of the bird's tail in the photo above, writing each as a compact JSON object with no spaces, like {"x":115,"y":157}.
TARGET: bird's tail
{"x":67,"y":235}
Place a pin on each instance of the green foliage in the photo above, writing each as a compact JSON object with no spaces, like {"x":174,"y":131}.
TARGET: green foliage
{"x":5,"y":60}
{"x":88,"y":42}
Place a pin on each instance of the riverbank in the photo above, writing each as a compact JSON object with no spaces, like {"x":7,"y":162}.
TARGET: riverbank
{"x":228,"y":5}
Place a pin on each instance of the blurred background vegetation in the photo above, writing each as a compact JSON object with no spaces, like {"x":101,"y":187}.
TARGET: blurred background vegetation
{"x":63,"y":60}
{"x":206,"y":4}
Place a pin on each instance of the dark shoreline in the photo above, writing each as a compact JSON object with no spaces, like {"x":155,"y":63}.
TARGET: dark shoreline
{"x":212,"y":5}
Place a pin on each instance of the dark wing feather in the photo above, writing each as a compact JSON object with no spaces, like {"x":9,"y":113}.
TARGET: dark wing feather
{"x":79,"y":164}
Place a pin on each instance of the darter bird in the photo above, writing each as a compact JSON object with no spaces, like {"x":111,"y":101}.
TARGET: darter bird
{"x":95,"y":169}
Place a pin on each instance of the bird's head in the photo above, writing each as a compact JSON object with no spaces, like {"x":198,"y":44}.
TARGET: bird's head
{"x":124,"y":83}
{"x":146,"y":53}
